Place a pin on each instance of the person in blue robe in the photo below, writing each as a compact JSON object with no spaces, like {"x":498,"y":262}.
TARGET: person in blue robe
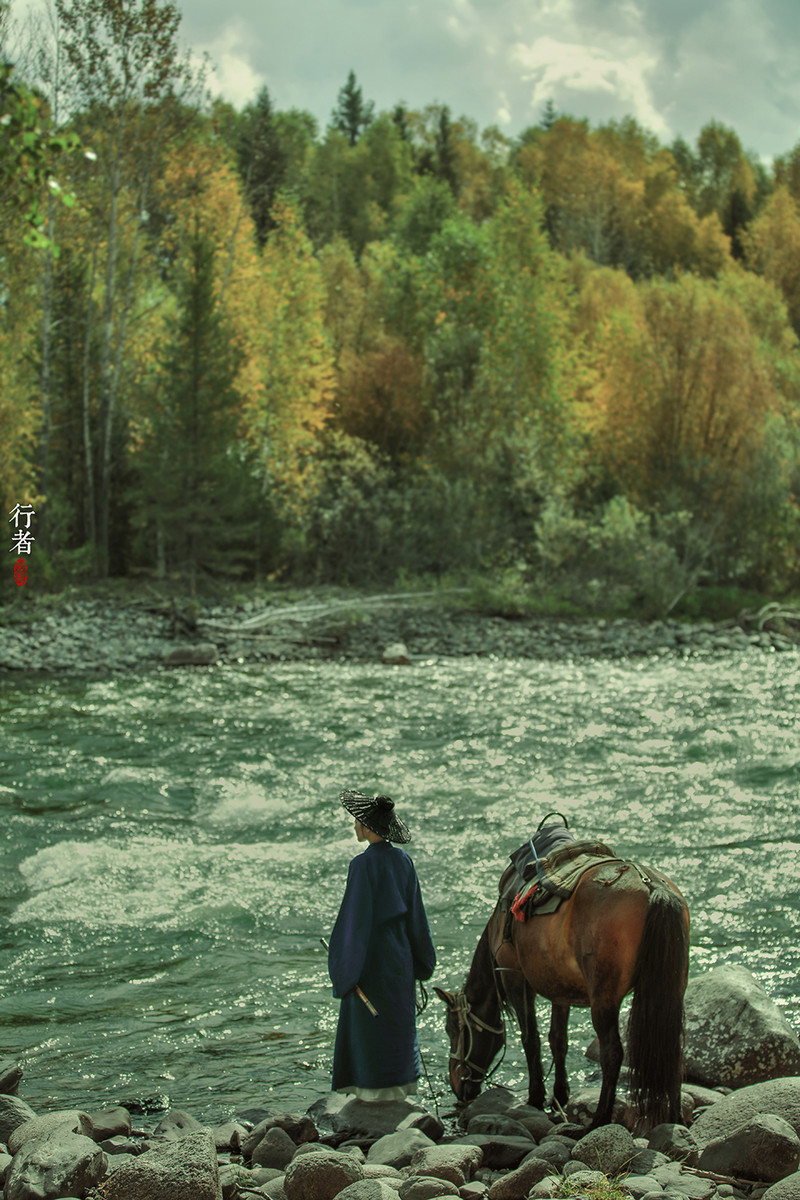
{"x":380,"y":945}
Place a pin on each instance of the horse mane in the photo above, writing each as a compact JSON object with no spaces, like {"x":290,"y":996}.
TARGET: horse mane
{"x":482,"y":983}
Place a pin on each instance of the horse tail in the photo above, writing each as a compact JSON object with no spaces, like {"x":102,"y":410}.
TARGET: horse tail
{"x":655,"y":1024}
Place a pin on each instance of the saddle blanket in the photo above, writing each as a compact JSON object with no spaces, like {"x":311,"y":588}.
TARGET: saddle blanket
{"x":556,"y":877}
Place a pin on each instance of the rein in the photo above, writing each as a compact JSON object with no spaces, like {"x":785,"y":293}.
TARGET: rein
{"x":468,"y":1024}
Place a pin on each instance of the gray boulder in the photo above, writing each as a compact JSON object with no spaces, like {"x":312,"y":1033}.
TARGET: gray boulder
{"x":233,"y":1180}
{"x":498,"y":1123}
{"x":177,"y":1124}
{"x":39,"y":1127}
{"x":13,"y":1112}
{"x":555,"y":1150}
{"x":323,"y":1111}
{"x":787,"y":1189}
{"x":474,"y":1190}
{"x":368,"y":1189}
{"x":276,"y":1149}
{"x":320,"y":1174}
{"x":372,"y":1120}
{"x":110,"y":1122}
{"x":645,"y":1161}
{"x":229,"y":1136}
{"x":670,"y":1174}
{"x":183,"y":1168}
{"x":300,"y":1128}
{"x":456,"y":1163}
{"x":61,"y":1163}
{"x":426,"y":1122}
{"x":119,"y":1144}
{"x":735,"y":1035}
{"x":421,"y":1187}
{"x":546,"y":1188}
{"x":535,"y":1121}
{"x":373,"y":1170}
{"x":10,"y":1077}
{"x":766,"y":1149}
{"x":676,"y":1141}
{"x":273,"y":1189}
{"x":494,"y":1100}
{"x":519,"y":1182}
{"x":779,"y":1097}
{"x":639,"y":1186}
{"x":695,"y":1098}
{"x":398,"y":1149}
{"x":499,"y":1153}
{"x":609,"y":1149}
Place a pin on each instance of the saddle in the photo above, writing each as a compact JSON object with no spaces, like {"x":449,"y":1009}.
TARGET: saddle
{"x":547,"y":868}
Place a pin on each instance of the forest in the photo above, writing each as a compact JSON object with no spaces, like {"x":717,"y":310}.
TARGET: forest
{"x":237,"y":346}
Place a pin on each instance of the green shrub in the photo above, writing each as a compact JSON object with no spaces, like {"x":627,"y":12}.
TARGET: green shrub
{"x":616,"y":560}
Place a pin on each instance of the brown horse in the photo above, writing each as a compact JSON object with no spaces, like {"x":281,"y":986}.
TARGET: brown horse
{"x":624,"y":928}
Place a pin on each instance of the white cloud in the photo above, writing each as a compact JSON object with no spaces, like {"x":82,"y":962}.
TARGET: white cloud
{"x":556,"y":67}
{"x":503,"y":113}
{"x":233,"y":75}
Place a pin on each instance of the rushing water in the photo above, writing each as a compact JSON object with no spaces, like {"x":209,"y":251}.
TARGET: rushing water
{"x":173,"y":848}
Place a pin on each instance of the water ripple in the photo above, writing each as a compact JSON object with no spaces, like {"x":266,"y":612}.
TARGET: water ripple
{"x":172,"y":848}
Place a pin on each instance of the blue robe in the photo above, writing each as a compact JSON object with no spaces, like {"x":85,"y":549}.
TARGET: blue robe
{"x":382,"y":942}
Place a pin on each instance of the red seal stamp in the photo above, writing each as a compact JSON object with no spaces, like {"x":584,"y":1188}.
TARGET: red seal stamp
{"x":20,"y":572}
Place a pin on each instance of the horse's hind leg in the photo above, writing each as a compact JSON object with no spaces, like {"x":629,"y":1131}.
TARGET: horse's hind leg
{"x":559,"y":1020}
{"x":606,"y":1024}
{"x":523,"y":1001}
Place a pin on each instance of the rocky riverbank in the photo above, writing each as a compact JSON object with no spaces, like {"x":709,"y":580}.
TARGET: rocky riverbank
{"x":738,"y":1142}
{"x":744,"y":1146}
{"x":144,"y":633}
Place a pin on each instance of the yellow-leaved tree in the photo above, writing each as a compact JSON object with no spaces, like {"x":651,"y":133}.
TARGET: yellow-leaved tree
{"x":772,"y":248}
{"x":680,"y":391}
{"x":297,"y":376}
{"x":686,"y":382}
{"x":613,"y":194}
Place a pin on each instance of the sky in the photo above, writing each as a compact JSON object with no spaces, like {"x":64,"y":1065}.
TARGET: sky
{"x":674,"y":65}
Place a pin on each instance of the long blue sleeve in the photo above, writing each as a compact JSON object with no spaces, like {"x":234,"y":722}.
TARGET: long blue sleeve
{"x":349,"y":941}
{"x":419,"y":935}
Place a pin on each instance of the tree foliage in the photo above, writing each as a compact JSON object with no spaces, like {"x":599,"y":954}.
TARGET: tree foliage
{"x":399,"y":344}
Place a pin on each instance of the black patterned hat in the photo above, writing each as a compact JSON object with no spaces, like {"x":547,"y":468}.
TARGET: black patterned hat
{"x":376,"y":813}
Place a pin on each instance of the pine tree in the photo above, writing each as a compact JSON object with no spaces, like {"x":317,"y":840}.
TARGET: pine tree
{"x":549,"y":116}
{"x":195,"y":484}
{"x":262,"y":161}
{"x":351,"y":115}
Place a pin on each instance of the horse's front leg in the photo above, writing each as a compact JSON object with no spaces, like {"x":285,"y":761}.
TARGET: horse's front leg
{"x":523,"y":1001}
{"x":559,"y":1020}
{"x":606,"y":1024}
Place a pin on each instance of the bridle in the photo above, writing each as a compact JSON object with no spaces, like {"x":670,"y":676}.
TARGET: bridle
{"x":469,"y":1023}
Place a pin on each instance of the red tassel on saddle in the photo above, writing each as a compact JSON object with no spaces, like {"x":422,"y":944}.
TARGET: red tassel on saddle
{"x":518,"y":906}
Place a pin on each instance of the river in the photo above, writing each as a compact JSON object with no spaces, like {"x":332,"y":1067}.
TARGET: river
{"x":173,"y":848}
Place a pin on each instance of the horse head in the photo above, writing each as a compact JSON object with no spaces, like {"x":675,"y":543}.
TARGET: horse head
{"x":473,"y":1045}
